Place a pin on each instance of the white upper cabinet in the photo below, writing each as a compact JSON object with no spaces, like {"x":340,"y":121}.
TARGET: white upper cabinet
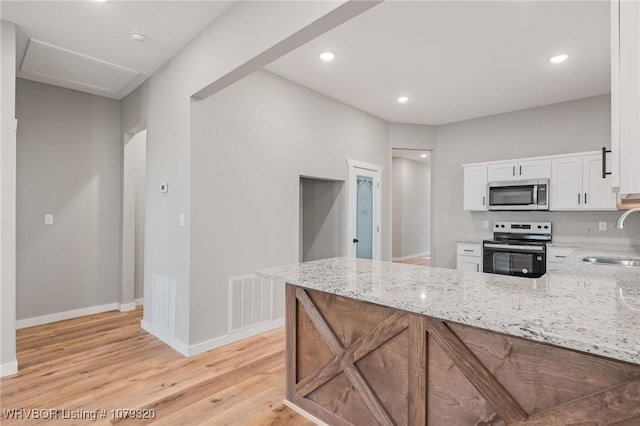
{"x":625,"y":95}
{"x":566,"y":183}
{"x":519,"y":170}
{"x":475,"y":188}
{"x":577,"y":184}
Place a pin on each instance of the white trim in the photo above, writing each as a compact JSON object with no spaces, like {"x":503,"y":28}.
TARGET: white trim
{"x":162,"y":334}
{"x":362,"y":165}
{"x":217,"y":342}
{"x":411,"y":256}
{"x":304,"y":413}
{"x":60,"y":316}
{"x":126,"y":307}
{"x":544,"y":157}
{"x":139,"y":301}
{"x":9,"y":368}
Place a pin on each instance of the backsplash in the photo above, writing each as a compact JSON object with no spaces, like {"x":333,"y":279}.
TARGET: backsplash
{"x":568,"y":226}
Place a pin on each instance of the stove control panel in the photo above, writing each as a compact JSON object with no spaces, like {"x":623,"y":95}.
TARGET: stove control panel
{"x":523,"y":227}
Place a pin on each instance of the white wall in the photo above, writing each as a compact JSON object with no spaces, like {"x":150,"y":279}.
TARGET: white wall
{"x":245,"y":31}
{"x":69,"y":149}
{"x":324,"y":228}
{"x":411,"y":208}
{"x":575,"y":126}
{"x":8,"y":363}
{"x":251,"y":143}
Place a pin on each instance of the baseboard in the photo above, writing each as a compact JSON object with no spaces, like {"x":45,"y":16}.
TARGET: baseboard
{"x":234,"y":337}
{"x":126,"y":307}
{"x":9,"y":368}
{"x":178,"y":345}
{"x":139,"y":301}
{"x":304,"y":413}
{"x":411,"y":256}
{"x":60,"y":316}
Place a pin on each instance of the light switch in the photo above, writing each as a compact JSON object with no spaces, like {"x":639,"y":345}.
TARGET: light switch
{"x":485,"y":223}
{"x":181,"y":219}
{"x":602,"y":226}
{"x":48,"y":219}
{"x":164,"y":187}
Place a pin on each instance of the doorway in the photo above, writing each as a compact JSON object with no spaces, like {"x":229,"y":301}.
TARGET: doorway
{"x":411,"y":206}
{"x":322,"y":219}
{"x":133,"y":219}
{"x":364,"y":210}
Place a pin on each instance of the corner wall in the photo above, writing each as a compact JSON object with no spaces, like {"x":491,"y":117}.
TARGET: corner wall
{"x":8,"y":362}
{"x":68,"y":165}
{"x":251,"y":142}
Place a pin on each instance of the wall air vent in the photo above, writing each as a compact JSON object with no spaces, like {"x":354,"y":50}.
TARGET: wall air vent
{"x":54,"y":65}
{"x":250,"y":301}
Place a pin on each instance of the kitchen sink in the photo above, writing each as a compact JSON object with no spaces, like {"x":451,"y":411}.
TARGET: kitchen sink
{"x":611,"y":260}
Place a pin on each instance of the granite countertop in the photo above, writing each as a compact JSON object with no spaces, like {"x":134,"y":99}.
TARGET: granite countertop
{"x":589,"y":308}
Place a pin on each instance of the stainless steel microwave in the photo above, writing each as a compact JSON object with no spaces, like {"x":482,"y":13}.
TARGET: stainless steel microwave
{"x":519,"y":195}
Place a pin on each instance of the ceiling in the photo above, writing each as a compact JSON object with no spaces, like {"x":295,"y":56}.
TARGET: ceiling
{"x":96,"y":35}
{"x":412,"y":154}
{"x":458,"y":60}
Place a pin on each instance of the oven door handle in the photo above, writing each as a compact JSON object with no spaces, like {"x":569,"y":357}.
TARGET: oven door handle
{"x":514,"y":247}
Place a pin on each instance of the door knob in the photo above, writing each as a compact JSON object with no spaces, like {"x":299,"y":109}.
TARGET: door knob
{"x":355,"y":240}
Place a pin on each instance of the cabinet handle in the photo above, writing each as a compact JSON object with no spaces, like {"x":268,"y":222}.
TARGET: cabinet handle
{"x":578,"y":198}
{"x":520,"y":170}
{"x":468,"y":250}
{"x":477,"y":267}
{"x":604,"y":162}
{"x":483,"y":200}
{"x":585,"y":198}
{"x":513,"y":173}
{"x":560,"y":257}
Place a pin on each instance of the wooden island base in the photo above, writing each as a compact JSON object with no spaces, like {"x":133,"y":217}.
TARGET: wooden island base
{"x":353,"y":362}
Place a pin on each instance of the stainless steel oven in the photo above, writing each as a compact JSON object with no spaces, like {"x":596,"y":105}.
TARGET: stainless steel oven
{"x":519,"y":195}
{"x":517,"y":248}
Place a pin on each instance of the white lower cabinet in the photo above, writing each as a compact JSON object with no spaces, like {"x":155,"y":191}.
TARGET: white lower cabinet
{"x":577,"y":184}
{"x":469,"y":257}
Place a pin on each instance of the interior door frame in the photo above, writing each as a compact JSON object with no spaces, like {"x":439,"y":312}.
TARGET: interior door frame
{"x":354,"y":166}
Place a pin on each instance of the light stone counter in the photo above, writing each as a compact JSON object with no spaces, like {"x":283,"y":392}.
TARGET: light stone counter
{"x":589,"y":308}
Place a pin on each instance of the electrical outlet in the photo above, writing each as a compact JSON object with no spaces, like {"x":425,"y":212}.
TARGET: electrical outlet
{"x":164,"y":187}
{"x":602,"y":226}
{"x":48,"y":219}
{"x":485,"y":223}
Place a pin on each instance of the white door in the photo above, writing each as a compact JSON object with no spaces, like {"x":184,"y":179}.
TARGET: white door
{"x":566,"y":183}
{"x":475,"y":188}
{"x":598,"y":192}
{"x":501,"y":171}
{"x":364,"y":210}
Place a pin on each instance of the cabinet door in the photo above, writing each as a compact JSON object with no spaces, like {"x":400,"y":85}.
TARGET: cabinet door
{"x":475,"y":188}
{"x":536,"y":169}
{"x":468,"y":264}
{"x":566,"y":183}
{"x":501,"y":171}
{"x":625,"y":96}
{"x":598,"y":193}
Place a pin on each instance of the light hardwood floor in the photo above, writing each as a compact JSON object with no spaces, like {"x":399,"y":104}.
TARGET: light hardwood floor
{"x":425,"y":261}
{"x":106,"y":362}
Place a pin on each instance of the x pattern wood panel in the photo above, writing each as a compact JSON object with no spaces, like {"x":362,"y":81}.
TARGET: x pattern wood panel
{"x":617,"y":404}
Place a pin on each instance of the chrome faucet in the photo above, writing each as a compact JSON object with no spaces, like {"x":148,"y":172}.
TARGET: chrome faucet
{"x":620,"y":223}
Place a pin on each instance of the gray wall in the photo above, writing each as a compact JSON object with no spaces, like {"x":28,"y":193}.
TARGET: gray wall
{"x":8,"y":198}
{"x":251,"y":143}
{"x":324,"y":231}
{"x":581,"y":125}
{"x":163,"y":102}
{"x":69,"y":149}
{"x":411,"y":207}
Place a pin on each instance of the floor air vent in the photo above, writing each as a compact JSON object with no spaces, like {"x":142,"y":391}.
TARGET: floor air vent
{"x":250,"y":301}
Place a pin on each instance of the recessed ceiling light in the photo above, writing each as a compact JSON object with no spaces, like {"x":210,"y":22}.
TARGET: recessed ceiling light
{"x":423,"y":155}
{"x":138,"y":37}
{"x":327,"y":56}
{"x":558,"y":58}
{"x":403,"y":99}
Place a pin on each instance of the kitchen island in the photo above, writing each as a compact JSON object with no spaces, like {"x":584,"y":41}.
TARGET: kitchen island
{"x":384,"y":343}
